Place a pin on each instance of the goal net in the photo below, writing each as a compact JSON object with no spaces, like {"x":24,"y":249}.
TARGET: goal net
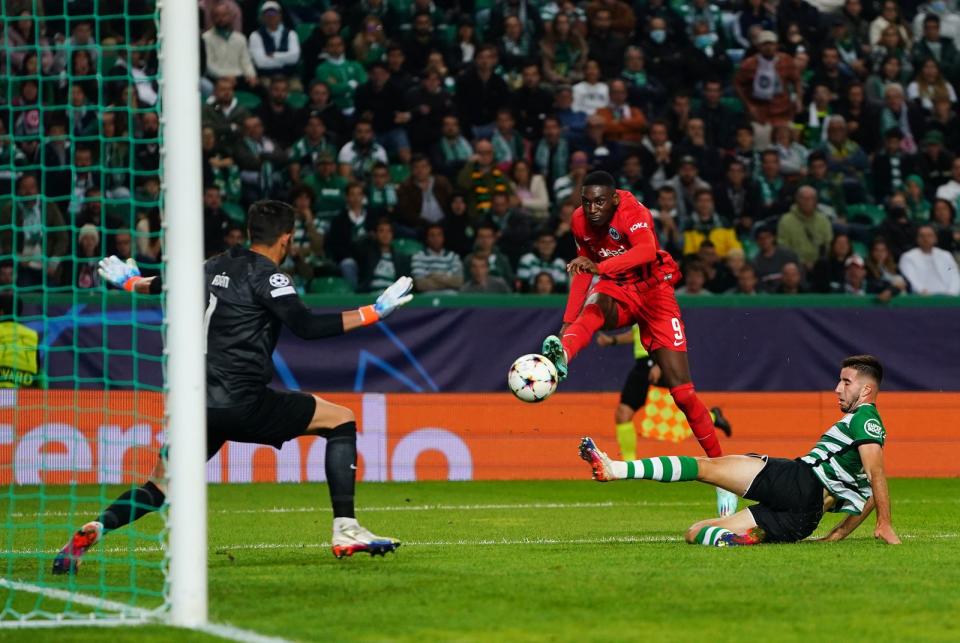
{"x":82,"y":368}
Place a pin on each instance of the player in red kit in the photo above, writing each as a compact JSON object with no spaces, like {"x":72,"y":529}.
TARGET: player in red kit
{"x":616,"y":241}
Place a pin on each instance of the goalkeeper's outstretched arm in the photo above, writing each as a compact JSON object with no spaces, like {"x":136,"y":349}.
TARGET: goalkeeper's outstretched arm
{"x":306,"y":325}
{"x":290,"y":310}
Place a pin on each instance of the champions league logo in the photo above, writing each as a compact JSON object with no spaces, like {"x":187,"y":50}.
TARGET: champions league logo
{"x":278,"y":280}
{"x":614,"y":234}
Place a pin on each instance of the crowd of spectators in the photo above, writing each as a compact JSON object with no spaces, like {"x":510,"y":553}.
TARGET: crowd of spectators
{"x":780,"y":148}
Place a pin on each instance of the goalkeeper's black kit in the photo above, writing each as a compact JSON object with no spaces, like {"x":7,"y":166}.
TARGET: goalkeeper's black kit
{"x":247,"y":301}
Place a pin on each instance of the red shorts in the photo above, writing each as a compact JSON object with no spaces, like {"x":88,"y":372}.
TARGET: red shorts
{"x":655,"y":310}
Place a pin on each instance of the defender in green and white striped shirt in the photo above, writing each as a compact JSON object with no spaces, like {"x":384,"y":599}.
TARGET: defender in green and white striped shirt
{"x":836,"y":457}
{"x":843,"y":472}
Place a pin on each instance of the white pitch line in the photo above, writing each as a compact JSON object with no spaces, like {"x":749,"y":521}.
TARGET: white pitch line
{"x":438,"y":507}
{"x":468,"y":507}
{"x":86,"y":600}
{"x":224,"y":549}
{"x":218,"y":549}
{"x":121,"y":614}
{"x":232,"y":633}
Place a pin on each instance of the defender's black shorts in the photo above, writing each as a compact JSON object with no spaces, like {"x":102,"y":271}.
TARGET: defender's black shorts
{"x":790,"y":497}
{"x":635,"y":389}
{"x":272,"y":419}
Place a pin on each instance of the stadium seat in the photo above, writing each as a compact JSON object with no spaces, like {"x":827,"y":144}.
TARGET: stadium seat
{"x":750,"y":248}
{"x":732,"y":103}
{"x":249,"y":100}
{"x":407,"y":247}
{"x":119,"y":212}
{"x":107,"y":60}
{"x":860,"y":248}
{"x":297,"y":100}
{"x":329,"y":286}
{"x":235,"y":212}
{"x":866,"y":213}
{"x":447,"y":33}
{"x":399,"y":172}
{"x":304,"y":31}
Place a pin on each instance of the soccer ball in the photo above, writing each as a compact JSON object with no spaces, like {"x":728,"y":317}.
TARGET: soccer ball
{"x":532,"y":378}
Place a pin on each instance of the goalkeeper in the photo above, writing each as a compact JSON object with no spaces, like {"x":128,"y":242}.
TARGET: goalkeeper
{"x":248,"y":299}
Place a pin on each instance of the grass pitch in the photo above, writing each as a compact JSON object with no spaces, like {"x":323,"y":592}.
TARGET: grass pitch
{"x":530,"y":561}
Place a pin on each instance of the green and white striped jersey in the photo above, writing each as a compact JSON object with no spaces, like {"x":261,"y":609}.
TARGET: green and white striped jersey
{"x":836,"y":460}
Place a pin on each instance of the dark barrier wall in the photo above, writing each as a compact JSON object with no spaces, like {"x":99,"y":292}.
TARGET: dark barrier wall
{"x":736,"y":344}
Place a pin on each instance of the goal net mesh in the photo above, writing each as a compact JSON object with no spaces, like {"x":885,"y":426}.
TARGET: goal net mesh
{"x":81,"y":367}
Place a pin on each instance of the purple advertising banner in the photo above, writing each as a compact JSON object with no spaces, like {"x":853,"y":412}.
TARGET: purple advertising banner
{"x":470,"y":349}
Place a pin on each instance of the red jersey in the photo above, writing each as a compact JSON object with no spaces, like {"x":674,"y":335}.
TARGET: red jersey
{"x":626,"y":252}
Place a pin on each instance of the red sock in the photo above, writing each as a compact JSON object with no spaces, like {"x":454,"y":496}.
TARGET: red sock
{"x":579,"y":333}
{"x":699,"y":418}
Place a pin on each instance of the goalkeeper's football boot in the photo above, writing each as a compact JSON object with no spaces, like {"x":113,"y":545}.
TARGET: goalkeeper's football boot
{"x":753,"y":536}
{"x":720,"y":421}
{"x":553,"y":350}
{"x":726,"y":503}
{"x":599,"y":461}
{"x":68,"y":560}
{"x":350,"y":537}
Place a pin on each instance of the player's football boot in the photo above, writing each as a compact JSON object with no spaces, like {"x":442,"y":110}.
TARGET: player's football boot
{"x":720,"y":421}
{"x":599,"y":461}
{"x":68,"y":560}
{"x":752,"y":537}
{"x":349,"y":537}
{"x":726,"y":503}
{"x":553,"y":350}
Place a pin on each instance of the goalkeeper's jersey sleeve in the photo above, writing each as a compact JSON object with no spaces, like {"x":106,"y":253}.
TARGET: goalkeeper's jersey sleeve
{"x":835,"y":458}
{"x":248,"y":300}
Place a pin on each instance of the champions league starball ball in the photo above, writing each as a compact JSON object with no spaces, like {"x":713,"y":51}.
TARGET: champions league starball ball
{"x":532,"y":378}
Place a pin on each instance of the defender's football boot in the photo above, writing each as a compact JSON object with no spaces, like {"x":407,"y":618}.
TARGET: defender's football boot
{"x":599,"y":461}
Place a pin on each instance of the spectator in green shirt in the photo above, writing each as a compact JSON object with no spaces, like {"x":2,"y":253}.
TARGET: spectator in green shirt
{"x":480,"y":178}
{"x":381,"y":191}
{"x":805,"y":229}
{"x":917,"y":205}
{"x":485,"y":247}
{"x":342,"y":76}
{"x":328,"y":186}
{"x":829,"y":192}
{"x":379,"y":262}
{"x":309,"y":146}
{"x":543,"y":260}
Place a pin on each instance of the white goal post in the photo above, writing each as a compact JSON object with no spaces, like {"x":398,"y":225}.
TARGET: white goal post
{"x":183,"y":249}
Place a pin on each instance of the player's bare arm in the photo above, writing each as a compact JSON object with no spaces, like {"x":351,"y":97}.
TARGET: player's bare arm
{"x":849,"y":524}
{"x":615,"y":340}
{"x":582,"y":266}
{"x":872,"y":457}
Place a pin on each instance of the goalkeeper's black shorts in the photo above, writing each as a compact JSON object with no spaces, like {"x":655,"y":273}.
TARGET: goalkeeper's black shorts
{"x":271,"y":419}
{"x":790,"y":497}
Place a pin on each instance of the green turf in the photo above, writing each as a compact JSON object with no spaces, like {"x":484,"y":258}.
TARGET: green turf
{"x":549,"y":561}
